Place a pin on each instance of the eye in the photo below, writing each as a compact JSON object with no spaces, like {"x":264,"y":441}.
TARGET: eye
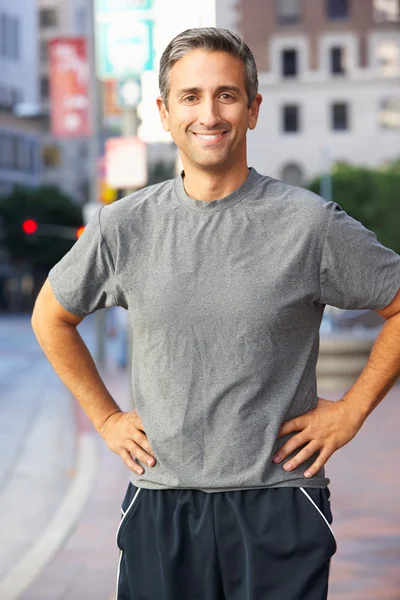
{"x":190,"y":99}
{"x":226,"y":96}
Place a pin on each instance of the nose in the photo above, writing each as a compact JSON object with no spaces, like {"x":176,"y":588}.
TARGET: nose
{"x":209,"y":115}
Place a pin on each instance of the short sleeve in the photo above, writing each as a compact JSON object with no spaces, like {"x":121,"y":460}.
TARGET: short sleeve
{"x":83,"y":280}
{"x":357,"y":271}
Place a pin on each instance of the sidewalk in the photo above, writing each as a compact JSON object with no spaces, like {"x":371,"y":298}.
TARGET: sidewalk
{"x":85,"y":567}
{"x":365,"y":501}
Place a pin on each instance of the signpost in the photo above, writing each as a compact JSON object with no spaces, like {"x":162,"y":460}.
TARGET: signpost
{"x":124,"y":50}
{"x":126,"y":162}
{"x":124,"y":38}
{"x":69,"y":87}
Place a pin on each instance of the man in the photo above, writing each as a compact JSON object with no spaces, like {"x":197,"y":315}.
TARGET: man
{"x":225,"y":274}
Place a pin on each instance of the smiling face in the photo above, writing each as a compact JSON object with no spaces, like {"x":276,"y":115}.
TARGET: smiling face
{"x":208,"y":114}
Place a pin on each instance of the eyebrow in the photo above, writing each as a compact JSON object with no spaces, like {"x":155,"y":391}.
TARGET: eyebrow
{"x":221,"y":88}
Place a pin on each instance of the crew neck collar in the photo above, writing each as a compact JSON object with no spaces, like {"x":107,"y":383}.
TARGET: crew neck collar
{"x":214,"y":205}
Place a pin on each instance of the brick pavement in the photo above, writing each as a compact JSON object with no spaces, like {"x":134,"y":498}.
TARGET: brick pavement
{"x":365,"y":500}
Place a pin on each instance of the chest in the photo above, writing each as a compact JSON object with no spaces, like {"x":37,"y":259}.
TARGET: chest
{"x":232,"y":270}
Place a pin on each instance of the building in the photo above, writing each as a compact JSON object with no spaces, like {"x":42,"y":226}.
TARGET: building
{"x":20,"y":157}
{"x":329,"y":73}
{"x":65,"y":161}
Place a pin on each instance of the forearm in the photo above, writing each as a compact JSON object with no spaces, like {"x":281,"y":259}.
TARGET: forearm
{"x":72,"y":361}
{"x":379,"y":374}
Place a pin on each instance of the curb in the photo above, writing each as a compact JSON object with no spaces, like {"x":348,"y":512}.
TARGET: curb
{"x":24,"y":573}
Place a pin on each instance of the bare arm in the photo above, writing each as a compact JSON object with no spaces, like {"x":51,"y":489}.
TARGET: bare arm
{"x":55,"y":330}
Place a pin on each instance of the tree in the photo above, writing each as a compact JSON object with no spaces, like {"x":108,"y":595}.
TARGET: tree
{"x":161,"y":171}
{"x":47,"y":205}
{"x":369,"y":195}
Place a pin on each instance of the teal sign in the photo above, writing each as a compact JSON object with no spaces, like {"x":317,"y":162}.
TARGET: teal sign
{"x":113,"y":6}
{"x":124,"y":38}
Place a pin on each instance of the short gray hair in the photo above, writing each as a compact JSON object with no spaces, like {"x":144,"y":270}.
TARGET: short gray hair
{"x":211,"y":39}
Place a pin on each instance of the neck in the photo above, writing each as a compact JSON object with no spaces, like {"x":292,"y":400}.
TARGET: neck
{"x":213,"y":185}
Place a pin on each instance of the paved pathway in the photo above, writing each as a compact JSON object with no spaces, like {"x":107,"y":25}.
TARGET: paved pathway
{"x":37,"y":442}
{"x":364,"y":483}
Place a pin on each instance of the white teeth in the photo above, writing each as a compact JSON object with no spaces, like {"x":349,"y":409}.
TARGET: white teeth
{"x":209,"y":137}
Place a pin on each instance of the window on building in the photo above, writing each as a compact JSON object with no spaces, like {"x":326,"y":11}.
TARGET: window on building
{"x":288,"y":11}
{"x":386,"y":11}
{"x":3,"y":35}
{"x":5,"y":151}
{"x":10,"y":37}
{"x":16,"y":39}
{"x":44,"y":57}
{"x":33,"y":157}
{"x":337,"y":9}
{"x":340,"y":116}
{"x":2,"y":151}
{"x":14,"y":152}
{"x":44,"y":87}
{"x":388,"y":54}
{"x":15,"y":96}
{"x":48,"y":17}
{"x":291,"y":118}
{"x":81,"y":20}
{"x":51,"y":155}
{"x":289,"y":63}
{"x":389,"y":113}
{"x":20,"y":152}
{"x":338,"y":60}
{"x":292,"y":174}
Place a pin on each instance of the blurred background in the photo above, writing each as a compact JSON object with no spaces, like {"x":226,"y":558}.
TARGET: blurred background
{"x":79,"y":128}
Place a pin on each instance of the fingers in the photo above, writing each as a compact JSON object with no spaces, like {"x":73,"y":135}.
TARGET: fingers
{"x":137,"y":421}
{"x":142,"y":441}
{"x":289,"y":447}
{"x":305,"y":454}
{"x":130,"y":463}
{"x":124,"y":437}
{"x":138,"y":452}
{"x":293,"y":425}
{"x":318,"y":464}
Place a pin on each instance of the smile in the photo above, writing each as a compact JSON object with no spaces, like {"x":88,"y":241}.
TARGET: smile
{"x":210,"y":137}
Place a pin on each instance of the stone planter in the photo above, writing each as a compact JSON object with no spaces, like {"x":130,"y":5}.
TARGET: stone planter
{"x":342,"y":357}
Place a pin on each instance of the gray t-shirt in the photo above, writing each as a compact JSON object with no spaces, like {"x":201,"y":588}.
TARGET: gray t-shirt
{"x":225,"y":301}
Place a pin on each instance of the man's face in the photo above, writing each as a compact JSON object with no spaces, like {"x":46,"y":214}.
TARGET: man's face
{"x":208,"y":114}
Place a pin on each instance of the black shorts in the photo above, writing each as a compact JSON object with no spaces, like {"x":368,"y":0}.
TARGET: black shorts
{"x":261,"y":544}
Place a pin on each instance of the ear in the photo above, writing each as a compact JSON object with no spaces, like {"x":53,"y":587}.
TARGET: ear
{"x":254,"y":110}
{"x":164,"y":115}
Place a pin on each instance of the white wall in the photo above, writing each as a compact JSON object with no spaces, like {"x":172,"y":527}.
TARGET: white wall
{"x":365,"y":142}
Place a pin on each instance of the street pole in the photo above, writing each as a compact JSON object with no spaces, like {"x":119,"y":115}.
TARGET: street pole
{"x":130,"y":128}
{"x":326,"y":179}
{"x":94,"y":148}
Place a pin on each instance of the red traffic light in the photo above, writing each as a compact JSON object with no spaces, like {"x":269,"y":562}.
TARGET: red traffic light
{"x":29,"y":226}
{"x":79,"y":231}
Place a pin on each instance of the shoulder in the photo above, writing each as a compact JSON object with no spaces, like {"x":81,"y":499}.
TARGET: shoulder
{"x":296,"y":203}
{"x":132,"y":206}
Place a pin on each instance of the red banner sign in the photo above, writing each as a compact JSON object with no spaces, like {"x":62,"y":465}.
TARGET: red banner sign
{"x":69,"y":87}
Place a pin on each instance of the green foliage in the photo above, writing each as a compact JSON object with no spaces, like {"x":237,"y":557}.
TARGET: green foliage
{"x":372,"y":196}
{"x":161,"y":171}
{"x":46,"y":205}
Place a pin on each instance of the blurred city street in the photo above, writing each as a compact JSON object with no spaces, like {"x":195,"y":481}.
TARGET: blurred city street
{"x":92,"y":118}
{"x":59,"y":504}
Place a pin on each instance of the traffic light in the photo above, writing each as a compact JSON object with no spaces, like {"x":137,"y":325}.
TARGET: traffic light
{"x":79,"y":231}
{"x":29,"y":226}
